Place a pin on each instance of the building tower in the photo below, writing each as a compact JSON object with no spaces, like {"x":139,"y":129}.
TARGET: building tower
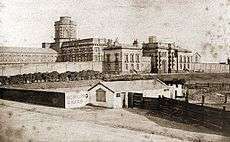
{"x":65,"y":30}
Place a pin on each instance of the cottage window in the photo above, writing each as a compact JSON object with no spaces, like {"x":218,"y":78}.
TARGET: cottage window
{"x":100,"y":95}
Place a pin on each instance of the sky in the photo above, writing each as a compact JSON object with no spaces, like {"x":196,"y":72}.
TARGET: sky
{"x":198,"y":25}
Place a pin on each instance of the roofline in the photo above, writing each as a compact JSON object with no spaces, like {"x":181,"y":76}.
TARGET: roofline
{"x":162,"y":82}
{"x":102,"y":85}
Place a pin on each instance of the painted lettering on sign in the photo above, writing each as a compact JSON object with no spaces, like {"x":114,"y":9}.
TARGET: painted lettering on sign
{"x":77,"y":99}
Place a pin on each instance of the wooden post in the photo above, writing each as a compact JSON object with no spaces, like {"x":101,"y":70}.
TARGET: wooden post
{"x":223,"y":119}
{"x":186,"y":97}
{"x":225,"y":98}
{"x":202,"y":103}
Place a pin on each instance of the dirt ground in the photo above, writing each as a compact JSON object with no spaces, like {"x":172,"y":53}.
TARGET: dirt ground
{"x":32,"y":123}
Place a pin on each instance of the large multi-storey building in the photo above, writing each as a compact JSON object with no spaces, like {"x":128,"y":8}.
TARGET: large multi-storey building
{"x":167,"y":57}
{"x":83,"y":50}
{"x":124,"y":59}
{"x":71,"y":49}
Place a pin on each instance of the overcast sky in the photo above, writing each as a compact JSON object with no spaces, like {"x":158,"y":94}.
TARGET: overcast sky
{"x":200,"y":25}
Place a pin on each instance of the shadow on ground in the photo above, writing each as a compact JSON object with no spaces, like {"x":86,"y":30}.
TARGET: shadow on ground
{"x":173,"y":122}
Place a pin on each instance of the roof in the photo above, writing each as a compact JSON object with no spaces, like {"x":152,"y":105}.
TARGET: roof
{"x":164,"y":45}
{"x":136,"y":85}
{"x":5,"y":49}
{"x":196,"y":53}
{"x":123,"y":46}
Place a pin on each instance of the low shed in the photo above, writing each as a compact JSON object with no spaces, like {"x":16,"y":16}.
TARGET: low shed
{"x":118,"y":94}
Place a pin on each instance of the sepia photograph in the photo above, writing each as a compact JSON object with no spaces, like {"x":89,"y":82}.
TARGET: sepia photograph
{"x":114,"y":70}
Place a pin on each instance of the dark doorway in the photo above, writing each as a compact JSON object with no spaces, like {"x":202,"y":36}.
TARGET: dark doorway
{"x":135,"y":100}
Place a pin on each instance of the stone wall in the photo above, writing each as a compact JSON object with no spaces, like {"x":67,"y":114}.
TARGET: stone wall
{"x":15,"y":69}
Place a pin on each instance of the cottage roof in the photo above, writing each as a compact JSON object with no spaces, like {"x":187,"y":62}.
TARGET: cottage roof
{"x":5,"y":49}
{"x":136,"y":85}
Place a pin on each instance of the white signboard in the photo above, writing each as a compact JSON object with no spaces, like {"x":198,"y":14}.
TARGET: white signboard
{"x":76,"y":99}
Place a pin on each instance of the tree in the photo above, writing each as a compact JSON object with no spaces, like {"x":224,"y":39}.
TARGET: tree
{"x":38,"y":77}
{"x":63,"y":77}
{"x":45,"y":76}
{"x":4,"y":80}
{"x":53,"y":76}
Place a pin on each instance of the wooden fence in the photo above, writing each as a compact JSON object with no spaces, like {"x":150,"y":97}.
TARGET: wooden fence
{"x":213,"y":118}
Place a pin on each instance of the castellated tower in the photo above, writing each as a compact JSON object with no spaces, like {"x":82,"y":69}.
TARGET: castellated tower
{"x":65,"y":30}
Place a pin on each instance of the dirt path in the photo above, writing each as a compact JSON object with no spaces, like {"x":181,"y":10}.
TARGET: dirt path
{"x":24,"y":122}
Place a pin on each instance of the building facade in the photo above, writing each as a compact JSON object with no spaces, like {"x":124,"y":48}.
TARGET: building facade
{"x":196,"y":57}
{"x":65,"y":30}
{"x":119,"y":94}
{"x":83,"y":50}
{"x":71,"y":49}
{"x":167,"y":57}
{"x":124,"y":59}
{"x":19,"y":55}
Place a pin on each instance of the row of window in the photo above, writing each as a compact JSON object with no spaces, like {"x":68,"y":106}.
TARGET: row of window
{"x":183,"y":66}
{"x":132,"y":58}
{"x":80,"y":58}
{"x":185,"y":59}
{"x":132,"y":67}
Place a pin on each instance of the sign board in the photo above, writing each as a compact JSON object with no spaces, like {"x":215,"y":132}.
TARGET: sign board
{"x":76,"y":99}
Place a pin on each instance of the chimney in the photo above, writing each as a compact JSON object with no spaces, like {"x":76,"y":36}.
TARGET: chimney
{"x":152,"y":39}
{"x":135,"y":43}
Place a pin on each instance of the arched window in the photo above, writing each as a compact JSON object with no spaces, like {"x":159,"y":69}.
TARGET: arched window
{"x":100,"y":95}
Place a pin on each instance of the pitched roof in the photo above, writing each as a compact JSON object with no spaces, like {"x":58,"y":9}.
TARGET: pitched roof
{"x":136,"y":85}
{"x":5,"y":49}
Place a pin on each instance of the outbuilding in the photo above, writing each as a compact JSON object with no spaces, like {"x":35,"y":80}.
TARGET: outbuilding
{"x":118,"y":94}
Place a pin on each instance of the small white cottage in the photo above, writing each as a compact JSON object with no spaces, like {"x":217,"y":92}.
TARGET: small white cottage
{"x":115,"y":94}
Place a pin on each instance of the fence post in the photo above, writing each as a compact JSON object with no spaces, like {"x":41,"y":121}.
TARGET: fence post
{"x":202,"y":101}
{"x":223,"y":118}
{"x":225,"y":98}
{"x":186,"y":96}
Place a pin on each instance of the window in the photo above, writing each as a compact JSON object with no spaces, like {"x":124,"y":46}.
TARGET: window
{"x":180,"y":59}
{"x":138,"y":67}
{"x":132,"y":67}
{"x":196,"y":58}
{"x":126,"y":66}
{"x":126,"y":58}
{"x":108,"y":57}
{"x":118,"y":95}
{"x":184,"y":59}
{"x":131,"y":58}
{"x":100,"y":95}
{"x":137,"y":58}
{"x":188,"y":59}
{"x":116,"y":57}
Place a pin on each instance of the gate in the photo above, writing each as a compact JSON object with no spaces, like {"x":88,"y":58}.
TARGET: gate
{"x":135,"y":100}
